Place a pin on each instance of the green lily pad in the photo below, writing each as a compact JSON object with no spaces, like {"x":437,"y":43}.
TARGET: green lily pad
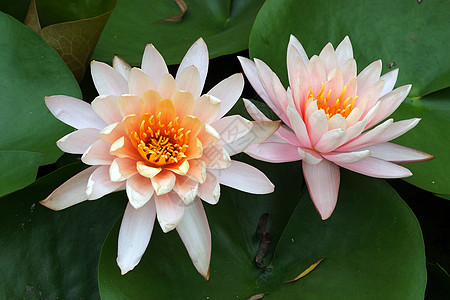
{"x":19,"y":169}
{"x":30,"y":70}
{"x":372,"y":244}
{"x":438,"y":286}
{"x":430,"y":135}
{"x":224,"y":25}
{"x":409,"y":35}
{"x":73,"y":29}
{"x":48,"y":254}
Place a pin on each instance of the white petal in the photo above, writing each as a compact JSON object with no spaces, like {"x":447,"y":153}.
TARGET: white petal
{"x":389,"y":79}
{"x":78,"y":142}
{"x":134,"y":235}
{"x":344,"y":51}
{"x":307,"y":156}
{"x":153,"y":64}
{"x":121,"y":66}
{"x":209,"y":191}
{"x":228,"y":91}
{"x":189,"y":80}
{"x":106,"y":107}
{"x":330,"y":140}
{"x":196,"y":236}
{"x":295,"y":43}
{"x":98,"y":154}
{"x":139,"y":82}
{"x":245,"y":178}
{"x":139,"y":190}
{"x":71,"y":192}
{"x":99,"y":184}
{"x":233,"y":127}
{"x":74,"y":112}
{"x":197,"y":56}
{"x":170,"y":210}
{"x":377,"y":168}
{"x":347,"y":157}
{"x":274,"y":152}
{"x":108,"y":81}
{"x":163,"y":182}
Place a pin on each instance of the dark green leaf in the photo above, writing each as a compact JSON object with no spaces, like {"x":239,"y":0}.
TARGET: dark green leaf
{"x":19,"y":169}
{"x":48,"y":254}
{"x":438,"y":286}
{"x":372,"y":243}
{"x":404,"y":34}
{"x":30,"y":70}
{"x":224,"y":25}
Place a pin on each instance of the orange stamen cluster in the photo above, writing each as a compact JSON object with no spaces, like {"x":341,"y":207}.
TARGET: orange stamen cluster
{"x":160,"y":144}
{"x":339,"y":106}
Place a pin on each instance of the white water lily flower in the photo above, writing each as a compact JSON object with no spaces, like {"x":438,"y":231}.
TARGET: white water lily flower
{"x":163,"y":142}
{"x":329,"y":111}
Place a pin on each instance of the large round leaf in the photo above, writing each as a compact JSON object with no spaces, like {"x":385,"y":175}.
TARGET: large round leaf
{"x":372,"y":243}
{"x":30,"y":70}
{"x":224,"y":24}
{"x":409,"y":35}
{"x":52,"y":255}
{"x":430,"y":135}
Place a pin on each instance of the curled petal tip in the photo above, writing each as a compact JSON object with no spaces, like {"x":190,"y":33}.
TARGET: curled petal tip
{"x":207,"y":275}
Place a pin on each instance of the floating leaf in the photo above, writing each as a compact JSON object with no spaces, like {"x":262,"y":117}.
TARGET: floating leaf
{"x":48,"y":254}
{"x":224,"y":25}
{"x":373,"y":245}
{"x":30,"y":70}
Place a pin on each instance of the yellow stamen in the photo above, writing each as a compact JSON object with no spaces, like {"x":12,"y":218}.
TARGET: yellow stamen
{"x":332,"y":107}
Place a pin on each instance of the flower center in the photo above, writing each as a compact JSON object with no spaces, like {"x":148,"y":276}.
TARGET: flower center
{"x":158,"y":143}
{"x":331,"y":108}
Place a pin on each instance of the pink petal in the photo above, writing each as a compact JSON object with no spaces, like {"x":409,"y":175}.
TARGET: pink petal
{"x":139,"y":190}
{"x":170,"y":210}
{"x":330,"y":140}
{"x":78,"y":142}
{"x":98,"y":154}
{"x":317,"y":126}
{"x":130,"y":123}
{"x":249,"y":68}
{"x":106,"y":107}
{"x":121,"y":66}
{"x":153,"y":64}
{"x":277,"y":94}
{"x":349,"y":70}
{"x":390,"y":102}
{"x":364,"y":139}
{"x":317,"y":73}
{"x":197,"y":56}
{"x":335,"y":83}
{"x":309,"y":156}
{"x":228,"y":91}
{"x":389,"y":81}
{"x":344,"y":52}
{"x":299,"y":127}
{"x":71,"y":192}
{"x":196,"y":236}
{"x":347,"y":157}
{"x":273,"y":152}
{"x":378,"y":168}
{"x":394,"y":131}
{"x":337,"y":121}
{"x":163,"y":182}
{"x":297,"y":45}
{"x":74,"y":112}
{"x":369,"y":76}
{"x":134,"y":235}
{"x":146,"y":170}
{"x":398,"y":154}
{"x":209,"y":191}
{"x":254,"y":111}
{"x":328,"y":57}
{"x":139,"y":82}
{"x":197,"y":170}
{"x":207,"y":108}
{"x":322,"y":180}
{"x":108,"y":81}
{"x":122,"y":168}
{"x":297,"y":73}
{"x":186,"y":189}
{"x":244,"y":177}
{"x":99,"y":184}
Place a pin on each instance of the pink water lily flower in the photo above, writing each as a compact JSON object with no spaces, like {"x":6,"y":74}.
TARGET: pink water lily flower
{"x":163,"y":142}
{"x":331,"y":115}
